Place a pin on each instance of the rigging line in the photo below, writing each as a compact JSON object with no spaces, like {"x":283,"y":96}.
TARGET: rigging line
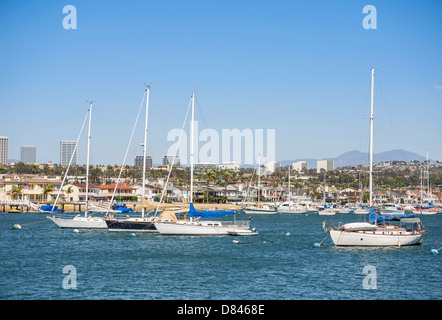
{"x":127,"y":151}
{"x":100,"y":124}
{"x":153,"y":103}
{"x":201,"y":112}
{"x":70,"y":161}
{"x":389,"y":117}
{"x":173,"y":162}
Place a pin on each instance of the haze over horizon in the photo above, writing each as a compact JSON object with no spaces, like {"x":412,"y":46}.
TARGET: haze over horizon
{"x":301,"y":68}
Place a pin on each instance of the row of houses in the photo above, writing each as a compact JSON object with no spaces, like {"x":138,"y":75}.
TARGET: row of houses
{"x":45,"y":189}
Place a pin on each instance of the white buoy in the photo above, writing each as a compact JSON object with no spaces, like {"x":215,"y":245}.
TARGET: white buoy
{"x":235,"y":241}
{"x":316,"y":245}
{"x":132,"y":234}
{"x":434,"y":251}
{"x":287,"y":233}
{"x":76,"y":231}
{"x":16,"y":227}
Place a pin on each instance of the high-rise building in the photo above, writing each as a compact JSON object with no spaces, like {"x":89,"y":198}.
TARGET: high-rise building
{"x":3,"y":150}
{"x":300,"y":165}
{"x":66,"y":150}
{"x":172,"y":159}
{"x":327,"y":165}
{"x":28,"y":154}
{"x":138,"y":161}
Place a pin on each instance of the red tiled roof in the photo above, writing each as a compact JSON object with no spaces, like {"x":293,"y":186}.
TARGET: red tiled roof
{"x":112,"y":187}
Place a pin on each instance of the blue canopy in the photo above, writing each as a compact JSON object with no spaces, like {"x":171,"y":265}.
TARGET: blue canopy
{"x":374,"y":217}
{"x":207,"y":214}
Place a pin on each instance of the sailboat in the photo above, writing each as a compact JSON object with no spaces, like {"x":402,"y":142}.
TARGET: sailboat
{"x":143,"y":223}
{"x":326,"y":211}
{"x":87,"y":221}
{"x":259,"y":209}
{"x":193,"y":225}
{"x":373,"y":233}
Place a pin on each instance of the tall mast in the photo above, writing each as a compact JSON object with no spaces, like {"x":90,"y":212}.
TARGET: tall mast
{"x":371,"y":138}
{"x":87,"y":159}
{"x":259,"y":177}
{"x":145,"y":145}
{"x":192,"y":123}
{"x":289,"y":185}
{"x":428,"y":179}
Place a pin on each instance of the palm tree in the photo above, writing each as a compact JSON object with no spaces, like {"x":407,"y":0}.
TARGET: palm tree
{"x":69,"y":191}
{"x":48,"y":189}
{"x":227,"y":176}
{"x":16,"y":190}
{"x":209,"y":175}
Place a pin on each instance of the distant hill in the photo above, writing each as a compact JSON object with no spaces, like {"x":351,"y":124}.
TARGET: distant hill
{"x":356,"y":157}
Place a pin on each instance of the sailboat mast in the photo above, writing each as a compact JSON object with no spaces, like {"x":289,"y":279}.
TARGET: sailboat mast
{"x":145,"y":145}
{"x":192,"y":123}
{"x":289,"y":185}
{"x":371,"y":137}
{"x":259,"y":177}
{"x":87,"y":159}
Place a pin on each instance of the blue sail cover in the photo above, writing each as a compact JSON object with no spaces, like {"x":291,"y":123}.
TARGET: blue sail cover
{"x":207,"y":214}
{"x":374,"y":217}
{"x":49,"y":208}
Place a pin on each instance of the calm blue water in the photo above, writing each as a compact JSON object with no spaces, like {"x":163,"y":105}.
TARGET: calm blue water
{"x":270,"y":266}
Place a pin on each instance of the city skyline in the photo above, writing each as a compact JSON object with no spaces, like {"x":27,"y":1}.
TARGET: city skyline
{"x":301,"y":68}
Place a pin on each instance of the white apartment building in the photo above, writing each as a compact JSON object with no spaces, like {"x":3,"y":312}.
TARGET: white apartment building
{"x":271,"y":166}
{"x":299,"y":166}
{"x":327,"y":165}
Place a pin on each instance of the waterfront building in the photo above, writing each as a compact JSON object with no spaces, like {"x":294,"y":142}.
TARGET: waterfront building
{"x":203,"y":165}
{"x":327,"y":165}
{"x":299,"y":166}
{"x":3,"y":150}
{"x":66,"y":150}
{"x":138,"y":161}
{"x":28,"y":154}
{"x":229,"y":166}
{"x":29,"y":187}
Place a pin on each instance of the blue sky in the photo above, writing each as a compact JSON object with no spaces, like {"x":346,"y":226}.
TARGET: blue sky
{"x":299,"y":67}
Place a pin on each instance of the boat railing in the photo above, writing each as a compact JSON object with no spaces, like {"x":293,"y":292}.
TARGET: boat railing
{"x":328,"y":225}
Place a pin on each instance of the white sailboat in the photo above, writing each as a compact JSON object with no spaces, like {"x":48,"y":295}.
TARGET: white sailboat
{"x":87,"y":221}
{"x":143,"y":223}
{"x":193,"y":225}
{"x":259,"y":209}
{"x":289,"y":207}
{"x":326,"y":211}
{"x":371,"y":233}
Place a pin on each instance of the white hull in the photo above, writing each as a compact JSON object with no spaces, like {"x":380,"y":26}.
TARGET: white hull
{"x":79,"y":222}
{"x":259,"y":211}
{"x":326,"y":212}
{"x":291,"y":211}
{"x":360,"y":211}
{"x":206,"y":228}
{"x":374,"y":238}
{"x":417,"y":212}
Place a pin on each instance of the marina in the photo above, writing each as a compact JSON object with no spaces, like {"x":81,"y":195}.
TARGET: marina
{"x":237,"y":152}
{"x":280,"y":263}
